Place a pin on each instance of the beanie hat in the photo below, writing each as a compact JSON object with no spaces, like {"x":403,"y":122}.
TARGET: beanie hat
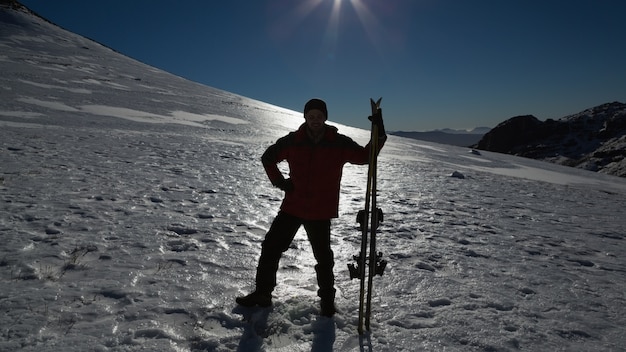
{"x":316,"y":104}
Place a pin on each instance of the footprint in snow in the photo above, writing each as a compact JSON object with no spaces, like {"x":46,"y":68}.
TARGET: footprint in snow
{"x":439,"y":302}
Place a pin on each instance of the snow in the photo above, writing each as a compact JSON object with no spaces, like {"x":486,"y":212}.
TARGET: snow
{"x":133,"y":205}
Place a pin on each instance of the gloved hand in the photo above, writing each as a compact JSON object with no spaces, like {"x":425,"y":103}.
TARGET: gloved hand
{"x":285,"y":185}
{"x":377,"y":119}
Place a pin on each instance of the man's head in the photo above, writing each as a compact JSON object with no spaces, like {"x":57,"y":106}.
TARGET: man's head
{"x":315,"y":114}
{"x":315,"y":104}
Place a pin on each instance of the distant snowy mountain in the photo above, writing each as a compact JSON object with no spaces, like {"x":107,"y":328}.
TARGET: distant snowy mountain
{"x":594,"y":139}
{"x":133,"y":205}
{"x":476,"y":130}
{"x":446,"y":136}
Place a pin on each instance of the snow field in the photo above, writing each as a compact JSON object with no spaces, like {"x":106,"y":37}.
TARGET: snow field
{"x":133,"y":205}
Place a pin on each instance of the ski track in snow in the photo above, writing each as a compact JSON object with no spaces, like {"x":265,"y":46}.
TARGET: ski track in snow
{"x":133,"y":205}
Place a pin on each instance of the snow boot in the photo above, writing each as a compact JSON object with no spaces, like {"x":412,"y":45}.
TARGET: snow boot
{"x":256,"y":298}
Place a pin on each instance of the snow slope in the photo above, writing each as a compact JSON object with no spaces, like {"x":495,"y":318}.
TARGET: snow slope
{"x":133,"y":204}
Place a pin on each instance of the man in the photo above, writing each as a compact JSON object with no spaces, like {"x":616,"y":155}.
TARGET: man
{"x":316,"y":153}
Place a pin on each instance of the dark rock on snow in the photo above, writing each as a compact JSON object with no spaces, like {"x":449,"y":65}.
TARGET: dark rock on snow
{"x":594,"y":139}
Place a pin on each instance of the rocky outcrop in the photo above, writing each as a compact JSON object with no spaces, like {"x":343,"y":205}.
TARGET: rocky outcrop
{"x":12,"y":4}
{"x":594,"y":139}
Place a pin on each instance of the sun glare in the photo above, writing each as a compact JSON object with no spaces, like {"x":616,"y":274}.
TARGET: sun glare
{"x":327,"y":35}
{"x":287,"y":24}
{"x":369,"y":22}
{"x":332,"y":29}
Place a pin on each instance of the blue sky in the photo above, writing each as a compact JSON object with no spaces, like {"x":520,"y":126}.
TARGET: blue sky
{"x":436,"y":63}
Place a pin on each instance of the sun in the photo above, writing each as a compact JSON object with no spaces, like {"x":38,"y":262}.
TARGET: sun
{"x":369,"y":22}
{"x":289,"y":17}
{"x":327,"y":34}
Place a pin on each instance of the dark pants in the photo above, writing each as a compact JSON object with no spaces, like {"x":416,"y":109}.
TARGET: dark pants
{"x":279,"y":238}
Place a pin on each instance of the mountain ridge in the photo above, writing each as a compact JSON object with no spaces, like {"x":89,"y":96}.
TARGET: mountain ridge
{"x":456,"y":138}
{"x":593,"y":139}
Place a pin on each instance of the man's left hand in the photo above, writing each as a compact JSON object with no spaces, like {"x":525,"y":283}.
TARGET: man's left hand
{"x":377,"y":119}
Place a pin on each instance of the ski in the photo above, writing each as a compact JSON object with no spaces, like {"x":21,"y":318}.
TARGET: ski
{"x":369,"y":264}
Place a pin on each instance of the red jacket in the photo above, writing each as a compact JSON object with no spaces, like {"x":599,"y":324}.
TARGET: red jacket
{"x":315,"y":170}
